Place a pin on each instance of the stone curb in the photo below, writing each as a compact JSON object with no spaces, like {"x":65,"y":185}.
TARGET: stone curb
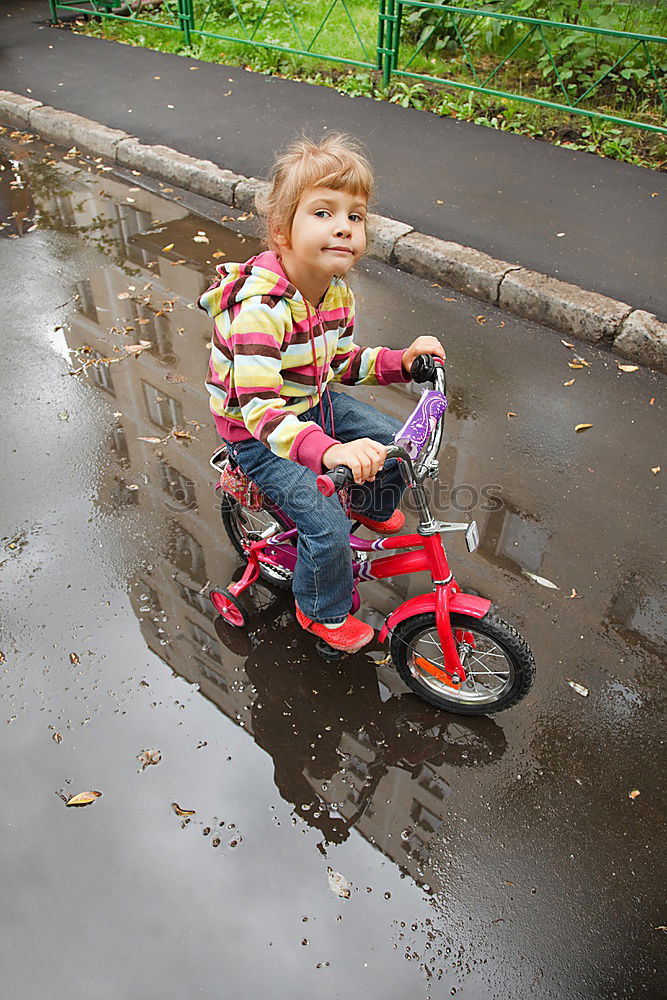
{"x":616,"y":326}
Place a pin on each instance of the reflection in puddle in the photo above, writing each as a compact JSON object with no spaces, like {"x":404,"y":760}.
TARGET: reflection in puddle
{"x":347,"y":750}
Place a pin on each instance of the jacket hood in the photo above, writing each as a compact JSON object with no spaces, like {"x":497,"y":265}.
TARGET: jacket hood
{"x":261,"y":275}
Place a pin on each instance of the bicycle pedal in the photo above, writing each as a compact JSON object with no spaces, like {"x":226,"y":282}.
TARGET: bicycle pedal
{"x":327,"y":652}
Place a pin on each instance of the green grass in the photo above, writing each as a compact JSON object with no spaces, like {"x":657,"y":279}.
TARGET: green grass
{"x":629,"y":96}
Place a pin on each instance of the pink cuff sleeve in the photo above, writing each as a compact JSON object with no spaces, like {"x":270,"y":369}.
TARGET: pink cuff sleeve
{"x":309,"y":447}
{"x":389,"y":367}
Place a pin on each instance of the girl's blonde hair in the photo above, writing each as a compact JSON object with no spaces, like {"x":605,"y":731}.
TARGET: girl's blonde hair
{"x":338,"y":162}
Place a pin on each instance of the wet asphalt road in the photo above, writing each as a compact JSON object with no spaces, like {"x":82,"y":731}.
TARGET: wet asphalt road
{"x":488,"y":858}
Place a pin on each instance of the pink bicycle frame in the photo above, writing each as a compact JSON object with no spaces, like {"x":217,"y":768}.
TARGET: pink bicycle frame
{"x":428,"y":555}
{"x":446,"y":599}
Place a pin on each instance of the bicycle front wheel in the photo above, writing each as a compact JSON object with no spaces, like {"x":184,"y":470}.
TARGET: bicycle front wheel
{"x":498,"y":663}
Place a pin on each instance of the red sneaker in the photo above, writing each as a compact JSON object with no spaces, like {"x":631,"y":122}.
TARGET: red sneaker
{"x":349,"y":637}
{"x":390,"y":527}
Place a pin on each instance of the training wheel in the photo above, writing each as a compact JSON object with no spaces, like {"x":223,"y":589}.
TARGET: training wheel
{"x":230,"y":607}
{"x":327,"y":652}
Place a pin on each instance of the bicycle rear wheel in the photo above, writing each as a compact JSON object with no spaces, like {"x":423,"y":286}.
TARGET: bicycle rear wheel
{"x":243,"y":524}
{"x":498,"y":663}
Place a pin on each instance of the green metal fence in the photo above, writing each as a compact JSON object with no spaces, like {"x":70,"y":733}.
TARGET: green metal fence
{"x":400,"y":38}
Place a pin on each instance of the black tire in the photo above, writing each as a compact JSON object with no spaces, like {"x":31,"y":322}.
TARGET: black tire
{"x":493,"y":638}
{"x":241,"y":523}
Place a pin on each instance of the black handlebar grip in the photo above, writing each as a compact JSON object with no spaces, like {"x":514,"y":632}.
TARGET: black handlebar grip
{"x":424,"y":367}
{"x":332,"y":481}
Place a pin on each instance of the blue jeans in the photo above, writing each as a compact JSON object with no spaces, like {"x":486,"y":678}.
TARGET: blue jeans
{"x":322,"y":583}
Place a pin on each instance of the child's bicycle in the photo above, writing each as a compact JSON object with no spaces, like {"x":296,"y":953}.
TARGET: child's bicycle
{"x":446,"y":645}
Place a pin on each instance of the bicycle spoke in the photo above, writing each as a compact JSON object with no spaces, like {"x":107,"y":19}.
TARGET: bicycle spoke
{"x":487,"y":668}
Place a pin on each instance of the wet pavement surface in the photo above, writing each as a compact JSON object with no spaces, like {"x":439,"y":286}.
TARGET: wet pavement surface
{"x":487,"y":858}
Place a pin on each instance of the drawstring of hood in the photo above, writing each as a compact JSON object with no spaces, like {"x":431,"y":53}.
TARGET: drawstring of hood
{"x":318,"y":377}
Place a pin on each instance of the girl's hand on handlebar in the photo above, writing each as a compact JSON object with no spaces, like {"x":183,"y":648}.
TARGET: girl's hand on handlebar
{"x":363,"y":457}
{"x":422,"y":345}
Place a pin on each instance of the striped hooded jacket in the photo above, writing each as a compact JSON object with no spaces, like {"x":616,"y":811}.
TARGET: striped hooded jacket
{"x":262,"y":374}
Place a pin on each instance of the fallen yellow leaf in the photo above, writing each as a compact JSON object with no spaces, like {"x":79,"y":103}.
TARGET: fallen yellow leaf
{"x":655,"y":470}
{"x":566,"y":343}
{"x":571,"y":382}
{"x":83,"y":798}
{"x":218,"y":253}
{"x":151,"y":440}
{"x":634,"y":793}
{"x":169,"y":246}
{"x":574,"y":364}
{"x":582,"y":427}
{"x":510,"y":413}
{"x":627,"y":368}
{"x":181,"y":812}
{"x":481,"y":320}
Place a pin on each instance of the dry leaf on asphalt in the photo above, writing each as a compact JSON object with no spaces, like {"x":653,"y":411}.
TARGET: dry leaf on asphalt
{"x":57,"y":737}
{"x":151,"y":440}
{"x":201,"y":238}
{"x":542,"y":580}
{"x":511,"y":413}
{"x":338,"y":884}
{"x":218,"y":253}
{"x":566,"y":343}
{"x":175,"y":378}
{"x":579,"y":688}
{"x":73,"y":658}
{"x":181,"y":812}
{"x":150,"y":756}
{"x":627,"y":368}
{"x":83,"y":798}
{"x":634,"y":793}
{"x":571,"y":382}
{"x":481,"y":320}
{"x":582,"y":427}
{"x":655,"y":470}
{"x":123,"y":295}
{"x":169,"y":246}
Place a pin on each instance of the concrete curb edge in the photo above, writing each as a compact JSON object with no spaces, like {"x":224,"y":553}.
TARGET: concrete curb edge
{"x":627,"y":331}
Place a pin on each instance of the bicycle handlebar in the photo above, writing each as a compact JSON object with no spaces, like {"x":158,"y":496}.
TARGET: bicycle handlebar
{"x":332,"y":481}
{"x":425,"y":368}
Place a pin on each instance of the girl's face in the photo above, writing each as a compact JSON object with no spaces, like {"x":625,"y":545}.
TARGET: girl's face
{"x":328,"y":234}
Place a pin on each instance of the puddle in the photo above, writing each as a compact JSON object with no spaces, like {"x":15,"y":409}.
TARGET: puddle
{"x":468,"y":844}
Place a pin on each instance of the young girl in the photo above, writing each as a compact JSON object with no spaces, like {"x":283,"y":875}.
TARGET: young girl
{"x":284,"y":324}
